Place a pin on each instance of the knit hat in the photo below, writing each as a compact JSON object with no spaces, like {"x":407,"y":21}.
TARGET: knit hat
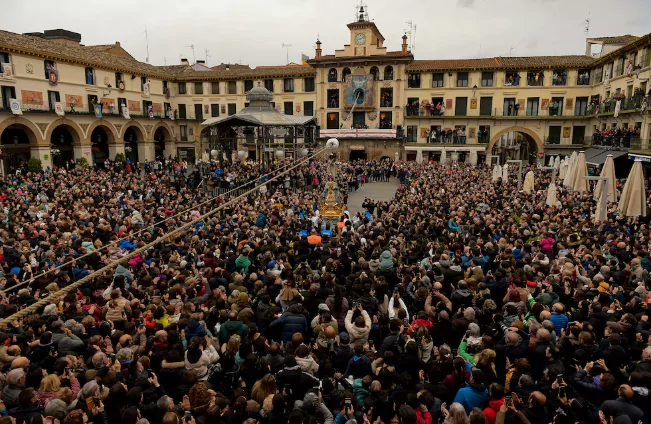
{"x":344,"y":338}
{"x":323,"y":308}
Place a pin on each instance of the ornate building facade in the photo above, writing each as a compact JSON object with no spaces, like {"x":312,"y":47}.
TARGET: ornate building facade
{"x":61,"y":100}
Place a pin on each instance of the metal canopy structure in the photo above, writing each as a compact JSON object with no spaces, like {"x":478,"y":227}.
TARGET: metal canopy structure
{"x":261,"y":125}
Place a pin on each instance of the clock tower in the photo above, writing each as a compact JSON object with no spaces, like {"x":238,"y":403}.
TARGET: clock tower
{"x":365,"y":38}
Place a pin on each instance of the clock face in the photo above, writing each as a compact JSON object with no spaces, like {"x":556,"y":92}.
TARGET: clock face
{"x":360,"y":39}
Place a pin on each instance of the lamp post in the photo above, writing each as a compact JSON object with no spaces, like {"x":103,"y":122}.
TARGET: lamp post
{"x":550,"y":168}
{"x":519,"y":162}
{"x":601,"y":216}
{"x":474,"y":91}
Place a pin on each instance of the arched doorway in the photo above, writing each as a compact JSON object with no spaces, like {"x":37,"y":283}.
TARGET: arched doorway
{"x":160,"y":136}
{"x":99,"y":139}
{"x":61,"y":142}
{"x":516,"y":143}
{"x":15,"y":140}
{"x":132,"y":136}
{"x":357,"y":155}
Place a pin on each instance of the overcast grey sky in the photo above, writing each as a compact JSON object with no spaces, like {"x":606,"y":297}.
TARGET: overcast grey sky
{"x":252,"y":31}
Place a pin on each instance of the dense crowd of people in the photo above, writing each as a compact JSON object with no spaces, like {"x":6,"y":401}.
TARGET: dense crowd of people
{"x":458,"y":300}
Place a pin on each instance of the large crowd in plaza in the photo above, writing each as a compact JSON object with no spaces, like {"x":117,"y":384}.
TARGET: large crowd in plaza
{"x":461,"y":300}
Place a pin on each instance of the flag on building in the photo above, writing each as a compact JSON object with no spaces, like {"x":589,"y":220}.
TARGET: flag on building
{"x":98,"y":110}
{"x":15,"y":107}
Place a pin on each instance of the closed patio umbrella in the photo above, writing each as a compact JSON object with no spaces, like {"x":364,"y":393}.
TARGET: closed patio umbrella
{"x":608,"y":171}
{"x":505,"y":173}
{"x":497,"y":173}
{"x":568,"y":179}
{"x":579,"y":183}
{"x":557,"y":162}
{"x":633,"y":199}
{"x":419,"y":156}
{"x":562,"y":170}
{"x":551,"y":161}
{"x":528,"y":182}
{"x":551,"y":195}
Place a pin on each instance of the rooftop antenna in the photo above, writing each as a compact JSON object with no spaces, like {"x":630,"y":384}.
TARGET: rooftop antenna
{"x":207,"y":56}
{"x":411,"y":32}
{"x":194,"y":59}
{"x":587,"y":26}
{"x":286,"y":46}
{"x":147,"y":44}
{"x":511,"y":51}
{"x":165,"y":60}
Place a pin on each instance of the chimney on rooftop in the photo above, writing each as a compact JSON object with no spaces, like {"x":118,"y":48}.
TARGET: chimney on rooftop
{"x":318,"y":49}
{"x":201,"y":62}
{"x":404,"y":43}
{"x":184,"y":61}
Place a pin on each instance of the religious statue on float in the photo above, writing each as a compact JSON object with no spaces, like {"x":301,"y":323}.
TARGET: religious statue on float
{"x":332,"y":206}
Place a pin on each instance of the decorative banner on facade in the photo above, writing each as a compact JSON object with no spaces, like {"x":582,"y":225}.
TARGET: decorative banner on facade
{"x":618,"y":107}
{"x":170,"y":113}
{"x":596,"y":111}
{"x":454,"y":156}
{"x":121,"y":85}
{"x":150,"y":112}
{"x":98,"y":110}
{"x":566,"y":132}
{"x":473,"y":103}
{"x":54,"y":77}
{"x":206,"y":109}
{"x":29,"y":97}
{"x":448,"y":103}
{"x":8,"y":70}
{"x":15,"y":107}
{"x":125,"y":111}
{"x":472,"y":132}
{"x":569,"y":103}
{"x":644,"y":104}
{"x":145,"y":88}
{"x":629,"y":68}
{"x":544,"y":104}
{"x":607,"y":77}
{"x":223,"y":108}
{"x":58,"y":108}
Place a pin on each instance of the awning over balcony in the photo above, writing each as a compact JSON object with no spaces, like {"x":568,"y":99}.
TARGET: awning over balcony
{"x":359,"y":133}
{"x":597,"y":157}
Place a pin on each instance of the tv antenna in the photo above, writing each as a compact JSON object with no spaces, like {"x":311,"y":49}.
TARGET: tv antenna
{"x":286,"y":47}
{"x":147,"y":45}
{"x":511,"y":51}
{"x":411,"y":33}
{"x":207,"y":56}
{"x":587,"y":26}
{"x":194,"y":59}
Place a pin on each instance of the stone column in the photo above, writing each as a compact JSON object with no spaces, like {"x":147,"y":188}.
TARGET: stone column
{"x":43,"y":153}
{"x":443,"y":159}
{"x":145,"y":152}
{"x":83,"y":151}
{"x":473,"y":158}
{"x":114,"y":149}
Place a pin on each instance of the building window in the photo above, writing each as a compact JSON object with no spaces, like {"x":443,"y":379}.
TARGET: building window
{"x":462,"y":79}
{"x":49,"y":66}
{"x":386,"y":97}
{"x":232,"y":87}
{"x":182,"y":112}
{"x":90,"y":76}
{"x":388,"y":73}
{"x":413,"y":105}
{"x":413,"y":80}
{"x":92,"y":101}
{"x":333,"y":98}
{"x":437,"y":80}
{"x":182,"y":88}
{"x":583,"y":77}
{"x":359,"y":120}
{"x":512,"y":79}
{"x":288,"y":85}
{"x":437,"y":106}
{"x":248,"y":85}
{"x":166,"y":110}
{"x":289,"y":108}
{"x":118,"y":79}
{"x":198,"y":88}
{"x":143,"y":81}
{"x":4,"y":58}
{"x":332,"y":120}
{"x":412,"y":133}
{"x":269,"y":85}
{"x":52,"y":98}
{"x":535,"y":78}
{"x":386,"y":121}
{"x":344,"y":73}
{"x":165,"y":87}
{"x":145,"y":107}
{"x":532,"y":106}
{"x":308,"y":108}
{"x":309,"y":85}
{"x":375,"y":72}
{"x":559,"y":77}
{"x":198,"y":111}
{"x":232,"y":109}
{"x":486,"y":79}
{"x":7,"y":93}
{"x":214,"y":87}
{"x":461,"y":106}
{"x":486,"y":106}
{"x":484,"y":134}
{"x":183,"y":129}
{"x":554,"y":135}
{"x":332,"y":75}
{"x":121,"y":102}
{"x":214,"y":110}
{"x":556,"y":106}
{"x":510,"y":107}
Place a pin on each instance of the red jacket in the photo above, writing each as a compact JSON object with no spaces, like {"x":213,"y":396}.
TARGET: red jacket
{"x":491,"y":411}
{"x":421,"y":418}
{"x":419,"y":323}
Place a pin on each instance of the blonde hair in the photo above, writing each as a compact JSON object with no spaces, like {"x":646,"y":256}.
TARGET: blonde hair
{"x":50,"y":384}
{"x":264,"y":387}
{"x":457,"y":414}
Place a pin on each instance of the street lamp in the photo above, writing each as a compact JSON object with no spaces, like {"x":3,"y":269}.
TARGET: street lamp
{"x":474,"y":90}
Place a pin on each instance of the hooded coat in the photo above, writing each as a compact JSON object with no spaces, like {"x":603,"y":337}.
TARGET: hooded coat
{"x":386,"y":262}
{"x":292,"y":321}
{"x":472,"y":396}
{"x":358,"y":335}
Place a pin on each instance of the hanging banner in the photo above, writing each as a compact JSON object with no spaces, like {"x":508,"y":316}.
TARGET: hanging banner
{"x":170,"y":113}
{"x":54,"y":77}
{"x":15,"y":107}
{"x":8,"y":70}
{"x":473,"y":103}
{"x":125,"y":111}
{"x":121,"y":85}
{"x":98,"y":110}
{"x":58,"y":108}
{"x":618,"y":106}
{"x":150,"y":112}
{"x":145,"y":88}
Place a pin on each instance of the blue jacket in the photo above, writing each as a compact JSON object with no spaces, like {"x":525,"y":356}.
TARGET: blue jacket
{"x":560,"y":322}
{"x":472,"y":396}
{"x":453,"y":226}
{"x":194,"y":329}
{"x":292,"y":321}
{"x":126,"y":245}
{"x":261,"y":221}
{"x":79,"y":273}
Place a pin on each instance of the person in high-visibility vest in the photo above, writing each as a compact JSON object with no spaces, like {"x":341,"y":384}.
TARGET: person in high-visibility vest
{"x":314,"y":238}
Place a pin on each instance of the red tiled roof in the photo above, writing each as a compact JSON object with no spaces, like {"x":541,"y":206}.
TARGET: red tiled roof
{"x":426,"y":65}
{"x":533,"y":62}
{"x":398,"y":53}
{"x":620,"y":39}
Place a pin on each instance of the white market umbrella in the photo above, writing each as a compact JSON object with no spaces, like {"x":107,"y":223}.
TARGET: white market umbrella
{"x":557,"y":162}
{"x":497,"y":173}
{"x":551,"y":195}
{"x":551,"y":161}
{"x":419,"y":156}
{"x":633,"y":199}
{"x":505,"y":173}
{"x":608,"y":171}
{"x":579,"y":182}
{"x":562,"y":169}
{"x":528,"y":182}
{"x":569,"y":174}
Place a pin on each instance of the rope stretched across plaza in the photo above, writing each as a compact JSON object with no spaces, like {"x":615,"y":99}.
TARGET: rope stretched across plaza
{"x":53,"y":296}
{"x":145,"y":228}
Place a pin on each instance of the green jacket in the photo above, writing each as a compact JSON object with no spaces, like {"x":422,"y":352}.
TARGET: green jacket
{"x":243,"y":263}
